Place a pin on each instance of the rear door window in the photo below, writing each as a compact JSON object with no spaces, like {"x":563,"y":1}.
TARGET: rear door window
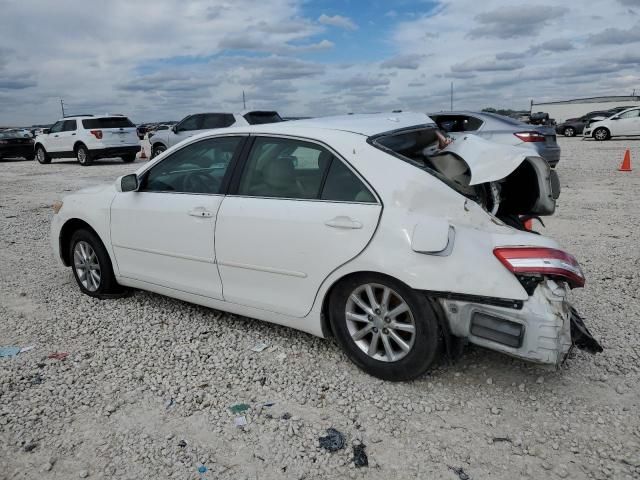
{"x":342,"y":185}
{"x":217,"y":120}
{"x":106,"y":122}
{"x":70,"y":126}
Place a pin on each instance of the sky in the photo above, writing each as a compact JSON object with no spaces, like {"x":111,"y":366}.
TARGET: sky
{"x":162,"y":60}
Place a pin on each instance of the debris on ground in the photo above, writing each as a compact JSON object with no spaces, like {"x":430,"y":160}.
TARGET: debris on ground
{"x":9,"y":351}
{"x":462,"y":475}
{"x":168,"y":404}
{"x":268,"y":404}
{"x":286,"y":416}
{"x":30,"y":446}
{"x":333,"y":441}
{"x":26,"y":349}
{"x":182,"y":443}
{"x":360,"y":458}
{"x":258,"y":347}
{"x":239,"y":408}
{"x":58,"y":355}
{"x":501,"y":439}
{"x":240,"y":421}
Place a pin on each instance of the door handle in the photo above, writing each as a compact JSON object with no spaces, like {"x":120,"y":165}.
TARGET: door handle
{"x":343,"y":222}
{"x":73,"y":134}
{"x":56,"y":136}
{"x":200,"y":212}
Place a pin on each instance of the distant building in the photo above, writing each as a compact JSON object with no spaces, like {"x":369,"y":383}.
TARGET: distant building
{"x":577,"y":107}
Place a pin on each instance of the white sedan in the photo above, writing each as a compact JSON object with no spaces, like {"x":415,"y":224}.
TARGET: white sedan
{"x":355,"y":227}
{"x":622,"y":124}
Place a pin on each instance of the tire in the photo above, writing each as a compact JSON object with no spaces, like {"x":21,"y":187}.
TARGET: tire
{"x":569,"y":132}
{"x":129,"y":158}
{"x":83,"y":156}
{"x":91,"y":252}
{"x":422,"y":346}
{"x":601,"y":134}
{"x":30,"y":157}
{"x":157,"y":149}
{"x":42,"y":156}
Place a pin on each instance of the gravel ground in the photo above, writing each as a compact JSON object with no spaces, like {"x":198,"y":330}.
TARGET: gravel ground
{"x":148,"y":382}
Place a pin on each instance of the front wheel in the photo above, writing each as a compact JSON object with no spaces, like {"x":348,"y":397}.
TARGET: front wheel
{"x":157,"y":150}
{"x":386,"y":328}
{"x":91,"y":265}
{"x":601,"y":134}
{"x":41,"y":155}
{"x":83,"y":156}
{"x":569,"y":132}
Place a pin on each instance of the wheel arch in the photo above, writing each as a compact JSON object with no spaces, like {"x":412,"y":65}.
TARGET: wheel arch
{"x":77,"y":145}
{"x":325,"y":324}
{"x":602,"y":127}
{"x":66,"y":232}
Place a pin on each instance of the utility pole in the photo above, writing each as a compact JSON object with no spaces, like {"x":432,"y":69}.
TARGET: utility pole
{"x":62,"y":107}
{"x":452,"y":96}
{"x":244,"y":103}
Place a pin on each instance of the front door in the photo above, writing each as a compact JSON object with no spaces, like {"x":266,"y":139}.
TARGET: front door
{"x":164,"y":232}
{"x":298,"y":213}
{"x":53,"y":142}
{"x":627,"y":123}
{"x":185,"y":129}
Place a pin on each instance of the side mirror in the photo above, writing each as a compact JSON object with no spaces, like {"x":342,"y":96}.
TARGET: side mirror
{"x":45,"y":131}
{"x":127,"y":183}
{"x":174,"y":129}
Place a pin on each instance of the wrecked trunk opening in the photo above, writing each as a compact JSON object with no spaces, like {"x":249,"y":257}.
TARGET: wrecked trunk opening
{"x":506,"y":181}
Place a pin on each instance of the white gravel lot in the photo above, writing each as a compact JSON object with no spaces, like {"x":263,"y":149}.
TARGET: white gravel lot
{"x":146,"y":389}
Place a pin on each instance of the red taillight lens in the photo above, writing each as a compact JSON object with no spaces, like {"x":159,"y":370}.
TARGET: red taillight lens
{"x":530,"y":136}
{"x":540,"y":260}
{"x":96,"y":133}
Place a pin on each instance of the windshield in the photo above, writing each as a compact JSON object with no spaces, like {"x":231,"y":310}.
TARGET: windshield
{"x":107,"y":122}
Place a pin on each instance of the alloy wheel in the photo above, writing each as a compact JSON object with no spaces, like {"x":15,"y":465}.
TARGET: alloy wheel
{"x":380,"y":322}
{"x":569,"y":132}
{"x":87,"y":266}
{"x":41,"y":155}
{"x":82,"y":155}
{"x":601,"y":134}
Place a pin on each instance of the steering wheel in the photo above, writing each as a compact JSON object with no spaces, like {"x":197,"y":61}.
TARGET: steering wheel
{"x":200,"y":182}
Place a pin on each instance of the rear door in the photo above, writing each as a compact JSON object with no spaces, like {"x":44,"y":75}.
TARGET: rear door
{"x":298,"y":213}
{"x":68,"y":135}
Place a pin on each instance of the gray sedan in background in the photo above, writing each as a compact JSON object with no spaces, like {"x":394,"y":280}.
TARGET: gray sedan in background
{"x":501,"y":129}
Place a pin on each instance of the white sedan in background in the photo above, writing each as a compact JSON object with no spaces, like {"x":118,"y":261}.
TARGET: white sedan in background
{"x":353,"y":227}
{"x":622,"y":124}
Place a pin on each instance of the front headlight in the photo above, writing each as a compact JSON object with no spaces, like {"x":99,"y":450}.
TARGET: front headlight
{"x":57,"y":205}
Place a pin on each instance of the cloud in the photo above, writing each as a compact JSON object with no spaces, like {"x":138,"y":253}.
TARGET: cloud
{"x":515,"y":21}
{"x":408,"y":62}
{"x":487,"y":65}
{"x":615,"y":36}
{"x":338,"y":21}
{"x":556,"y":45}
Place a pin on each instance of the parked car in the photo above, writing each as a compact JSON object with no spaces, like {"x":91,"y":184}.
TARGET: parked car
{"x":88,"y":138}
{"x":624,"y":123}
{"x":192,"y":124}
{"x":302,"y":238}
{"x":15,"y":144}
{"x":501,"y":129}
{"x":575,"y":126}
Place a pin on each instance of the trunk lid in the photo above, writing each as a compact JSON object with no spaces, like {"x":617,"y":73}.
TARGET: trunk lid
{"x":116,"y":131}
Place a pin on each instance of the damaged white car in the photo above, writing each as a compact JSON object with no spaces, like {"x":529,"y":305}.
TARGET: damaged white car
{"x":354,"y":227}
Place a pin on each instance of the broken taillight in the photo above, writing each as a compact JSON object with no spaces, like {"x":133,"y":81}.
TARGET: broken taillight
{"x":543,"y":261}
{"x":96,"y":133}
{"x":530,"y":136}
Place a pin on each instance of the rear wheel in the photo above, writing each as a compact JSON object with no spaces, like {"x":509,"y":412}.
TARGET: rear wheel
{"x":91,"y":264}
{"x":129,"y":158}
{"x":601,"y":134}
{"x":42,"y":156}
{"x":569,"y":132}
{"x":385,"y":327}
{"x":157,"y":150}
{"x":83,"y":156}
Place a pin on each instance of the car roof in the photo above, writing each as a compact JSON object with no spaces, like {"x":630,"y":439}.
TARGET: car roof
{"x":362,"y":124}
{"x":487,"y":117}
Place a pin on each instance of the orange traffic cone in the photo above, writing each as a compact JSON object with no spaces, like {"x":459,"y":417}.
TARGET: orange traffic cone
{"x":143,"y":155}
{"x":528,"y":224}
{"x":625,"y":166}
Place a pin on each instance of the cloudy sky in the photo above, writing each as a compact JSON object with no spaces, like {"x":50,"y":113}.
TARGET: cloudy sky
{"x":162,"y":59}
